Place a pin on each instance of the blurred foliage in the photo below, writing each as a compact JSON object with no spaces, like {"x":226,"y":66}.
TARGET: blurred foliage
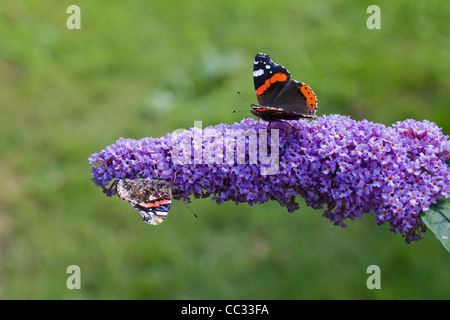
{"x":145,"y":68}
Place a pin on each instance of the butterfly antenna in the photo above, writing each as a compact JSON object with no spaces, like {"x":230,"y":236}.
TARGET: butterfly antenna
{"x":243,"y":97}
{"x":174,"y":178}
{"x":234,"y":111}
{"x":190,"y":209}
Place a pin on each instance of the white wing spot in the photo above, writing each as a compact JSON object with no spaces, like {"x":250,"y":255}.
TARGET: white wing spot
{"x":258,"y":72}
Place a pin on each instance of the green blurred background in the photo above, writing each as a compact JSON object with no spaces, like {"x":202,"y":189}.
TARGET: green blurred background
{"x":145,"y":68}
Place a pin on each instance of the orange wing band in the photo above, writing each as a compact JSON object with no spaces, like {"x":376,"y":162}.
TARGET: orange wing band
{"x":156,"y":203}
{"x":275,"y":78}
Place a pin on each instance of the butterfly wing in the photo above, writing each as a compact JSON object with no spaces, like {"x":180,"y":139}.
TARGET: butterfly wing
{"x":269,"y":79}
{"x":152,"y":198}
{"x":153,"y":215}
{"x":297,"y":98}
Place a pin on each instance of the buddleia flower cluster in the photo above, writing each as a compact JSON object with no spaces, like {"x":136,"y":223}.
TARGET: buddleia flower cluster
{"x":341,"y":166}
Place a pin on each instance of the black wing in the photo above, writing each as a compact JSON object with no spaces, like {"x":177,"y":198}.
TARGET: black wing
{"x":296,"y":97}
{"x":269,"y":79}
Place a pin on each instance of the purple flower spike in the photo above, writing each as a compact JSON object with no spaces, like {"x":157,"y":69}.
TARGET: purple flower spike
{"x":350,"y":167}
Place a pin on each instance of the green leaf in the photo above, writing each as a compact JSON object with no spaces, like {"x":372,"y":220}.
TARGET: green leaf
{"x":437,"y":219}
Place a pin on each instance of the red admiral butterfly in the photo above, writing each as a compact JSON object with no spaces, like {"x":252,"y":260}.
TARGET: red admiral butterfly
{"x":152,"y":198}
{"x":279,"y":98}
